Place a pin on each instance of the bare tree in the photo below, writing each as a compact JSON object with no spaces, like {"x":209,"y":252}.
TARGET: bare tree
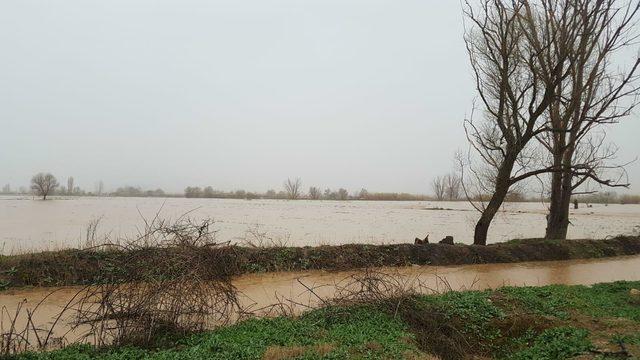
{"x":364,"y":194}
{"x":343,"y":194}
{"x":452,"y":186}
{"x":506,"y":44}
{"x":330,"y":195}
{"x":100,"y":188}
{"x":70,"y":185}
{"x":208,"y":192}
{"x":292,"y":188}
{"x":596,"y":93}
{"x":439,"y":188}
{"x":193,"y":192}
{"x":315,"y":193}
{"x":44,"y":184}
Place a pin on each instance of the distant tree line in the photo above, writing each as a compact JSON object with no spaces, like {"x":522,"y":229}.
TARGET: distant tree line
{"x":447,"y":187}
{"x":608,"y":197}
{"x":46,"y":184}
{"x":8,"y":190}
{"x":292,"y":190}
{"x":210,"y":192}
{"x":133,"y":191}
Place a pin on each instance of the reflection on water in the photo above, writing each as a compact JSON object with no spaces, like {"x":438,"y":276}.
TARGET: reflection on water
{"x":36,"y":225}
{"x":260,"y":290}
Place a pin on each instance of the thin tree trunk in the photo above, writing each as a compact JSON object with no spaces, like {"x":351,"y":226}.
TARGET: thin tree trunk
{"x":497,"y":198}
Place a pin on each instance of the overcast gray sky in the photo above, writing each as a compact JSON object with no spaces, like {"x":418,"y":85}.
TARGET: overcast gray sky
{"x":237,"y":93}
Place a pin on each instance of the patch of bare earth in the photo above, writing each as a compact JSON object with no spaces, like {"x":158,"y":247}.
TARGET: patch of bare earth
{"x":291,"y":352}
{"x":604,"y":331}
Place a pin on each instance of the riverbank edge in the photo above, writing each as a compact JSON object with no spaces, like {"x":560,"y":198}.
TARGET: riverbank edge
{"x":81,"y":267}
{"x":549,"y":322}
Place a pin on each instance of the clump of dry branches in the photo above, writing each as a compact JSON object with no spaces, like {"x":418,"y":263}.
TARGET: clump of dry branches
{"x":177,"y":280}
{"x":256,"y":238}
{"x":397,"y":295}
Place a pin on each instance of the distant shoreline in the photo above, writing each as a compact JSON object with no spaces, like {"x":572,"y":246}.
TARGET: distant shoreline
{"x":621,"y":200}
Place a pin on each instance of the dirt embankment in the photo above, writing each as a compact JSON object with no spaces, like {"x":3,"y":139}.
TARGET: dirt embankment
{"x":77,"y":267}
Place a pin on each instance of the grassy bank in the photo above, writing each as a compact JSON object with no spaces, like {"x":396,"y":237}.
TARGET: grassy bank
{"x":77,"y":267}
{"x":552,"y":322}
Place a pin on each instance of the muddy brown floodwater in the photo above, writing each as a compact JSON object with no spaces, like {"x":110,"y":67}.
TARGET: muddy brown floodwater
{"x":261,"y":290}
{"x":33,"y":225}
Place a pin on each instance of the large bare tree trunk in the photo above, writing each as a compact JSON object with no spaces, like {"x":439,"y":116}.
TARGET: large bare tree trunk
{"x":558,"y":218}
{"x":561,"y":191}
{"x":558,"y":222}
{"x":554,"y":218}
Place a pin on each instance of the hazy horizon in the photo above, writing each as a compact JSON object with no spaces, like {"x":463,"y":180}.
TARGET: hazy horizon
{"x":239,"y":95}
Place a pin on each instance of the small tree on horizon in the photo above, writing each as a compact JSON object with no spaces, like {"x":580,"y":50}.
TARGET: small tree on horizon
{"x":314,"y":193}
{"x":292,"y":188}
{"x":44,"y":184}
{"x":70,"y":186}
{"x":364,"y":194}
{"x":100,"y":188}
{"x":438,"y":186}
{"x":343,"y":194}
{"x":452,"y":186}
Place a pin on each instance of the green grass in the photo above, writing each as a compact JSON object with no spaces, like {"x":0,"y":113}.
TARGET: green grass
{"x":351,"y":332}
{"x":555,"y":343}
{"x":489,"y":322}
{"x":600,"y":300}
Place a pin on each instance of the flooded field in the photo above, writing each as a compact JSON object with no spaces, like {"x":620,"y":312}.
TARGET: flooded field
{"x":258,"y":291}
{"x":28,"y":225}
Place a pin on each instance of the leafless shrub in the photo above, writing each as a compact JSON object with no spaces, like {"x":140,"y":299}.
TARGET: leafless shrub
{"x":282,"y":306}
{"x":396,"y":294}
{"x":178,"y":281}
{"x":92,"y":238}
{"x":256,"y":238}
{"x":374,"y":286}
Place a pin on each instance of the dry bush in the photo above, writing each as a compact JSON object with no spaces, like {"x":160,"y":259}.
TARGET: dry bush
{"x":92,"y":237}
{"x":435,"y":331}
{"x":255,"y":238}
{"x":373,"y":286}
{"x":176,"y":279}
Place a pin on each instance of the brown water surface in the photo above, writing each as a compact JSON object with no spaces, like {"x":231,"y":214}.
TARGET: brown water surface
{"x":260,"y":290}
{"x":34,"y":225}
